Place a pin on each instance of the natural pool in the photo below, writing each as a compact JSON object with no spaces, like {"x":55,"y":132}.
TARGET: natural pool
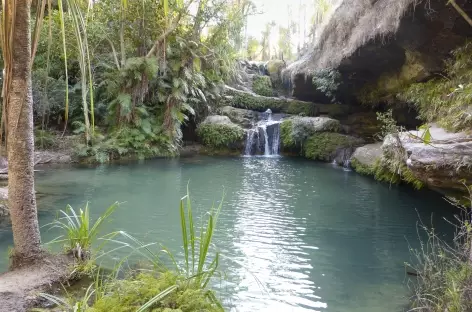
{"x":296,"y":235}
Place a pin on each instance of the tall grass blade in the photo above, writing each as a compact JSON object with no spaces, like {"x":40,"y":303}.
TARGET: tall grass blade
{"x":157,"y":298}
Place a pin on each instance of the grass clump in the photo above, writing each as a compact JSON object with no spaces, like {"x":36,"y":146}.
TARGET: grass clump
{"x":324,"y":145}
{"x":446,"y":99}
{"x":220,"y":135}
{"x":79,"y":230}
{"x":184,"y":288}
{"x":443,"y":269}
{"x":262,"y":85}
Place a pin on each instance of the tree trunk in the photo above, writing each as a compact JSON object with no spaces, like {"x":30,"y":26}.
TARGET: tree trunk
{"x":22,"y":201}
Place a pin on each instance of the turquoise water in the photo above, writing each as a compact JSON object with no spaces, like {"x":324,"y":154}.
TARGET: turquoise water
{"x":295,"y":235}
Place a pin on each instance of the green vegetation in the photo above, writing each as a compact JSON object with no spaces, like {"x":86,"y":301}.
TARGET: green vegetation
{"x":323,"y":145}
{"x":151,"y":69}
{"x":328,"y":81}
{"x":79,"y":231}
{"x":184,"y":288}
{"x":445,"y":100}
{"x":444,"y":271}
{"x":361,"y":168}
{"x":220,"y":135}
{"x":44,"y":139}
{"x":262,"y":85}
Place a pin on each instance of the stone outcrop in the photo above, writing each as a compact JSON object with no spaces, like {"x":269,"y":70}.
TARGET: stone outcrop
{"x":444,"y":163}
{"x":244,"y":117}
{"x":248,"y":100}
{"x":385,"y":43}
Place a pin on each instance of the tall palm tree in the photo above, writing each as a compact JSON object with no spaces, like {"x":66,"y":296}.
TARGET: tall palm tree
{"x":18,"y":121}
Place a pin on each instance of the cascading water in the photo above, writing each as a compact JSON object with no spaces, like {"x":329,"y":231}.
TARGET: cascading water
{"x":264,"y":138}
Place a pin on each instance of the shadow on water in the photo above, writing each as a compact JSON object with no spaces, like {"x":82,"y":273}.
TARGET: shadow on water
{"x":295,"y":235}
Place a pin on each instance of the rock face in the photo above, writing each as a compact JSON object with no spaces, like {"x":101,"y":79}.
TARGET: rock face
{"x":369,"y":41}
{"x":444,"y":163}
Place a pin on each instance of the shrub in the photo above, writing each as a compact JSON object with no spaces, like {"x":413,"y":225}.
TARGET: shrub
{"x":262,"y":85}
{"x":220,"y":135}
{"x":328,"y":81}
{"x":44,"y":139}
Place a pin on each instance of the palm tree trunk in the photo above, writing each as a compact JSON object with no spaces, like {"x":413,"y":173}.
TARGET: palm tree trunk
{"x":22,"y":201}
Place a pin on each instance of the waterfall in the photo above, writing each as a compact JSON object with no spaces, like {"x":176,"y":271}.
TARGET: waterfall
{"x":251,"y":134}
{"x":264,"y":138}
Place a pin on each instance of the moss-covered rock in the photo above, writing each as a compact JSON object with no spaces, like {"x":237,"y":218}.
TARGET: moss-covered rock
{"x":275,"y":67}
{"x":365,"y":158}
{"x":218,"y":132}
{"x":246,"y":100}
{"x":242,"y":117}
{"x":294,"y":131}
{"x":262,"y":85}
{"x":326,"y":146}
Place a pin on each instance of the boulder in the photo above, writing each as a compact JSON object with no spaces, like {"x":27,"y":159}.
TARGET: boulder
{"x":218,"y":132}
{"x":243,"y":117}
{"x":444,"y":163}
{"x":295,"y":130}
{"x":330,"y":146}
{"x":365,"y":158}
{"x":4,"y":212}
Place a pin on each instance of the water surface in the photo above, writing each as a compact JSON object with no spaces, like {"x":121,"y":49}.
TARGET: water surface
{"x":296,"y":235}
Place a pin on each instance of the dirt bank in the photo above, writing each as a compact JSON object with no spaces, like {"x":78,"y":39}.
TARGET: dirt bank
{"x":20,"y":288}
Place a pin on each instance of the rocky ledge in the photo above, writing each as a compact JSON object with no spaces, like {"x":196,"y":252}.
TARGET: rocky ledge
{"x":442,"y":163}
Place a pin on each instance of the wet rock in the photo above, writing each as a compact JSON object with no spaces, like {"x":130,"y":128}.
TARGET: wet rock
{"x":329,"y":146}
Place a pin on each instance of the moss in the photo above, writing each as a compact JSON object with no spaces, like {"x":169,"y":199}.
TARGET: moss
{"x":385,"y":171}
{"x":128,"y":295}
{"x":323,"y":146}
{"x":262,"y":85}
{"x":286,"y":135}
{"x":246,"y":100}
{"x":361,"y":168}
{"x":220,"y":135}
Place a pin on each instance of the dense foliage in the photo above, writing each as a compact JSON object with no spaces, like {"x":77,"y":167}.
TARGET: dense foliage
{"x":220,"y":135}
{"x":152,"y":69}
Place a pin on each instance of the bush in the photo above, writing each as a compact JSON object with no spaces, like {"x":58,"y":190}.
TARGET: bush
{"x":324,"y":145}
{"x":44,"y":139}
{"x":262,"y":85}
{"x":220,"y":135}
{"x":328,"y":81}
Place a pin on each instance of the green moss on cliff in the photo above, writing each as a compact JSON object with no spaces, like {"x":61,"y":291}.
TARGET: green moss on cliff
{"x":262,"y":103}
{"x":220,"y":135}
{"x":323,"y":146}
{"x":262,"y":85}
